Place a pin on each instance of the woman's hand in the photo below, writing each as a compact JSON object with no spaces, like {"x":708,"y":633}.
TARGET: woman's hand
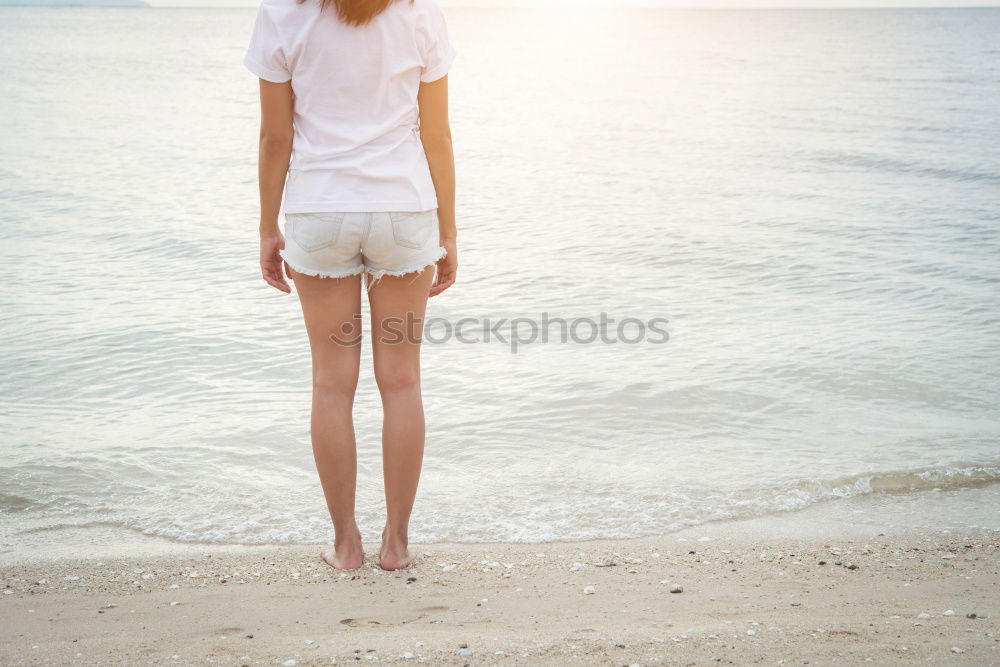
{"x":447,"y":267}
{"x":271,"y":263}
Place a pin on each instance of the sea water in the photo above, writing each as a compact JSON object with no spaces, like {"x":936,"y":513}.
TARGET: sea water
{"x":765,"y":243}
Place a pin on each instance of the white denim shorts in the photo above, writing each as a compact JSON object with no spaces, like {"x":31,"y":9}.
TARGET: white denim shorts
{"x":336,"y":245}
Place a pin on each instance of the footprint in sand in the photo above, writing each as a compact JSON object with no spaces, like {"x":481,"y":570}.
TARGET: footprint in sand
{"x":394,"y":619}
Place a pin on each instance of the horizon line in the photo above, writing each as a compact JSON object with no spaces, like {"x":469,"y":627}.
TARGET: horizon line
{"x":639,"y":5}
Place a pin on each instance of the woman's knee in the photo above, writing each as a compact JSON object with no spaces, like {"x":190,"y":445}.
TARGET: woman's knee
{"x":397,"y":379}
{"x":334,"y":382}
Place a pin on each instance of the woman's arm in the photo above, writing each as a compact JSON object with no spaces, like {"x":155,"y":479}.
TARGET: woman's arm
{"x":435,"y":133}
{"x":274,"y":156}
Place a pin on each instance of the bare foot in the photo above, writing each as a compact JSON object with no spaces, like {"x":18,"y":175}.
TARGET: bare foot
{"x":348,"y":556}
{"x":393,"y":554}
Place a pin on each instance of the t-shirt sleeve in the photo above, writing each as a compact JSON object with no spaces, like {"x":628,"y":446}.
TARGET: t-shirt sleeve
{"x":265,"y":56}
{"x":438,"y":53}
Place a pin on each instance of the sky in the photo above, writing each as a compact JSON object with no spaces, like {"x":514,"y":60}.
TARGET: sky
{"x":639,"y":3}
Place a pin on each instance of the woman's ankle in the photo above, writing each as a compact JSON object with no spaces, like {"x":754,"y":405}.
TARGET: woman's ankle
{"x":347,"y":538}
{"x":395,"y":536}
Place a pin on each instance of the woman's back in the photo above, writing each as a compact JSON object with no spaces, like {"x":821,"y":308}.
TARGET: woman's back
{"x":356,"y":144}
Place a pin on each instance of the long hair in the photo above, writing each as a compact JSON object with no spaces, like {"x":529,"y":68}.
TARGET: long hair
{"x":356,"y":12}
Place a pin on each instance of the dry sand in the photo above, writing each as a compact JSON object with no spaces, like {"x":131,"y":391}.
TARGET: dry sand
{"x":747,"y":598}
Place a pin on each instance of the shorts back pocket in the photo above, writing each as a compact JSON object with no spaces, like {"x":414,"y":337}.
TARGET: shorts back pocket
{"x":314,"y":231}
{"x":412,"y":229}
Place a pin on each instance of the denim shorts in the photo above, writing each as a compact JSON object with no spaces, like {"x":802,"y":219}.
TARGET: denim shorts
{"x":337,"y":245}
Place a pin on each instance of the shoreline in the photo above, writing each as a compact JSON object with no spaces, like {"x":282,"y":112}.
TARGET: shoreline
{"x":751,"y":592}
{"x":924,"y":512}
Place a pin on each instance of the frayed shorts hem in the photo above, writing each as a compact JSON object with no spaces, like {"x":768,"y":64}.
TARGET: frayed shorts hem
{"x":374,"y":274}
{"x":318,"y":273}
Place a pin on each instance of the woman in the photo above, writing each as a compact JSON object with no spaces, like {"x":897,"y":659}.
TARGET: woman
{"x":354,"y":110}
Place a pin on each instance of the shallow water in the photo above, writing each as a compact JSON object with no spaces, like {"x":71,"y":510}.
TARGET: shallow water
{"x":811,"y":199}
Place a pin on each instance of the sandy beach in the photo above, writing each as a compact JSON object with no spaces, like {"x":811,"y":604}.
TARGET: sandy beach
{"x":743,"y":595}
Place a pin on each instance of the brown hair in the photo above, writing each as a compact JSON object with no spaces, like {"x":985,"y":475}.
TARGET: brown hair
{"x":356,"y":12}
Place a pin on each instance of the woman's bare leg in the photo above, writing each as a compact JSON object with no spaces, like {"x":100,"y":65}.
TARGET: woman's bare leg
{"x":332,"y":311}
{"x":397,"y":309}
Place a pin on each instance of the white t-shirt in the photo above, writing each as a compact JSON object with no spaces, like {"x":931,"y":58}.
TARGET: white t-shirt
{"x":357,"y":145}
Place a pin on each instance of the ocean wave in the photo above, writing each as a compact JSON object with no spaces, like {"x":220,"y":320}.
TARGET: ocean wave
{"x":552,"y":519}
{"x":894,"y":166}
{"x":806,"y":492}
